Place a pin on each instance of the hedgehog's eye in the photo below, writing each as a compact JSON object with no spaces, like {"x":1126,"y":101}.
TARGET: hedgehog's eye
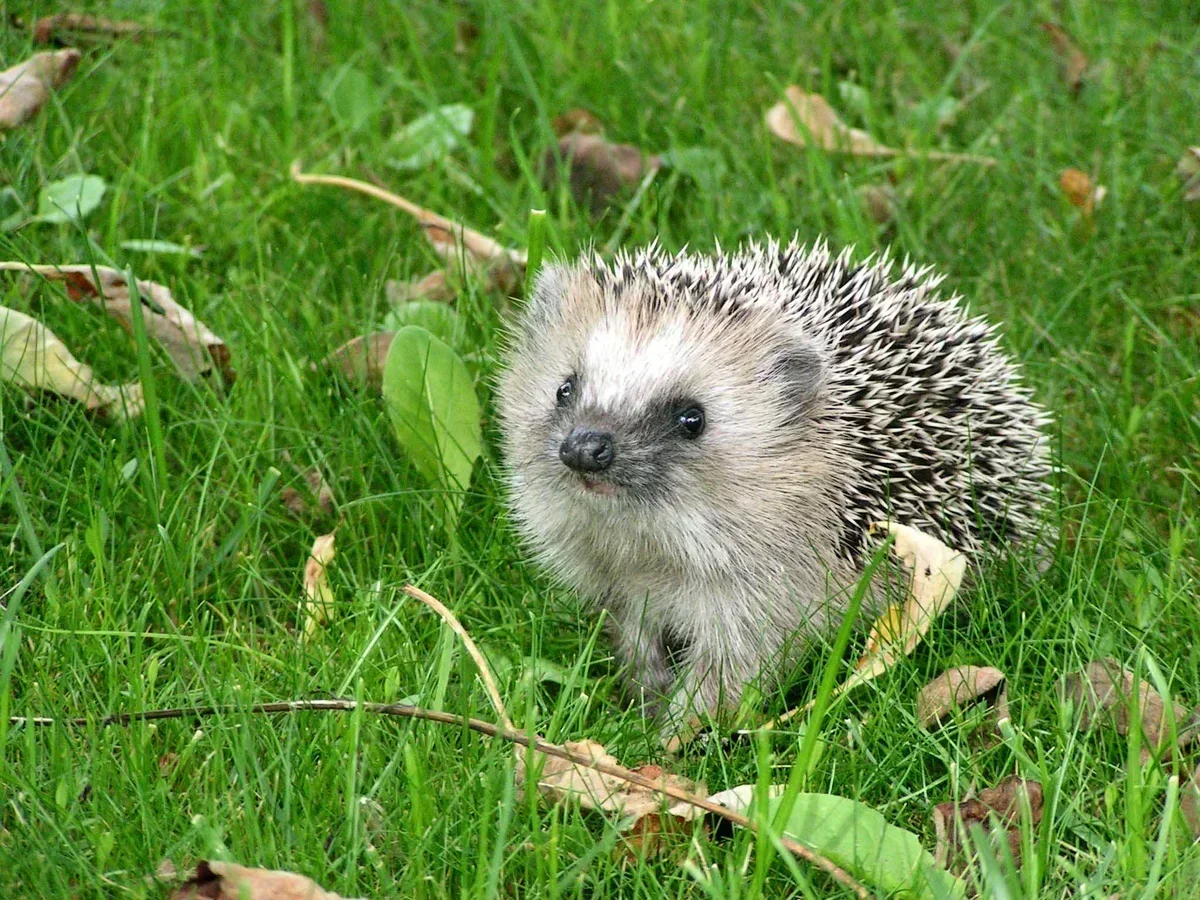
{"x":566,"y":391}
{"x":691,"y":420}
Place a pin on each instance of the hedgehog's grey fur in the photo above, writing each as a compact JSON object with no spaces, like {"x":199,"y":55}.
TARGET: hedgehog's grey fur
{"x":836,"y":395}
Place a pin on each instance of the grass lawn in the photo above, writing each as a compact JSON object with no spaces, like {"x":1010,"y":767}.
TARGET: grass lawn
{"x":180,"y":586}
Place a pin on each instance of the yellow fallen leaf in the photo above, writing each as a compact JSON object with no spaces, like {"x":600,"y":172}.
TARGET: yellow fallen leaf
{"x":318,"y":595}
{"x":26,"y":87}
{"x":194,"y":349}
{"x":32,"y":357}
{"x":937,"y":572}
{"x":801,"y":118}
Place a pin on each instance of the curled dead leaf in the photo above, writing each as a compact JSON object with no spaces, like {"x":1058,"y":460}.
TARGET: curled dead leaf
{"x":997,"y":810}
{"x":957,"y":687}
{"x":318,"y":23}
{"x":1189,"y":801}
{"x":33,"y":357}
{"x":73,"y":27}
{"x":597,"y":170}
{"x":1102,"y":692}
{"x":318,"y":595}
{"x":1074,"y":61}
{"x":581,"y":121}
{"x":194,"y":349}
{"x":565,"y":781}
{"x":879,"y":201}
{"x":802,"y":118}
{"x":26,"y":87}
{"x":434,"y":286}
{"x":228,"y":881}
{"x":1081,"y":191}
{"x":319,"y":492}
{"x":361,"y":359}
{"x":1188,"y":169}
{"x":466,"y":33}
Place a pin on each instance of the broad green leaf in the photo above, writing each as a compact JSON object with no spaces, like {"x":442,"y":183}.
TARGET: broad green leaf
{"x":71,"y":200}
{"x":431,"y":400}
{"x":703,"y":165}
{"x":861,"y":841}
{"x":427,"y":138}
{"x":438,"y":319}
{"x":352,"y":96}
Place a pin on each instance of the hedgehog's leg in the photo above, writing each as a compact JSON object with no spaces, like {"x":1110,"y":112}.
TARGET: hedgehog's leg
{"x":641,"y":649}
{"x":720,"y":665}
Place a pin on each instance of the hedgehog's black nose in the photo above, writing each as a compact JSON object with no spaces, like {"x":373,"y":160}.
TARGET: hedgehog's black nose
{"x":587,"y":451}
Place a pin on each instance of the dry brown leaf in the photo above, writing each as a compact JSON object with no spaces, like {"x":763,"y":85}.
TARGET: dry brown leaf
{"x":937,"y":572}
{"x":1188,"y":169}
{"x":318,"y":23}
{"x":32,"y":357}
{"x":1102,"y":692}
{"x":318,"y":595}
{"x":319,"y":490}
{"x":1189,"y":801}
{"x":466,"y":33}
{"x":26,"y":87}
{"x":802,"y":117}
{"x":581,"y":121}
{"x":166,"y":870}
{"x":1074,"y":61}
{"x":66,"y":27}
{"x":361,"y":359}
{"x":879,"y":201}
{"x":229,"y":881}
{"x":1081,"y":191}
{"x":597,"y":170}
{"x":194,"y":349}
{"x":957,"y":687}
{"x":497,"y":272}
{"x":562,"y":780}
{"x":434,"y":286}
{"x":997,"y":810}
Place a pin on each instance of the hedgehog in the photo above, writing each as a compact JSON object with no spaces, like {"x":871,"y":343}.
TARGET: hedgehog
{"x":700,"y":444}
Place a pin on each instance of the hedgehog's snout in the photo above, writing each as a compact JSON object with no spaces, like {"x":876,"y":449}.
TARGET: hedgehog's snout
{"x":585,"y":450}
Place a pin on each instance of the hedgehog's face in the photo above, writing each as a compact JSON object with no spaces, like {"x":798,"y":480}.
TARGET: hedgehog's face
{"x":627,"y":418}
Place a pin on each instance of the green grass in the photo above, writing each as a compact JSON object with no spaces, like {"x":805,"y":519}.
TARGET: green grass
{"x":178,"y":584}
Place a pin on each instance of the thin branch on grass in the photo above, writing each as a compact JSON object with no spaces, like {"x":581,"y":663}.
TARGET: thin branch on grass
{"x":479,"y":726}
{"x":479,"y":244}
{"x":485,"y":671}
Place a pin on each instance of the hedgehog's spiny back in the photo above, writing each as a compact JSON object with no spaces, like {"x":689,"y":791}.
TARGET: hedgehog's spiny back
{"x":927,"y":415}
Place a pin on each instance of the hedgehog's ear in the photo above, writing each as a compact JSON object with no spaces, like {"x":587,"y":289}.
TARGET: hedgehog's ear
{"x":797,"y":371}
{"x":546,"y":298}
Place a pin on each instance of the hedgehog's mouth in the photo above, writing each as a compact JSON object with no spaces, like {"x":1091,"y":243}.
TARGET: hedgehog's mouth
{"x":598,"y":487}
